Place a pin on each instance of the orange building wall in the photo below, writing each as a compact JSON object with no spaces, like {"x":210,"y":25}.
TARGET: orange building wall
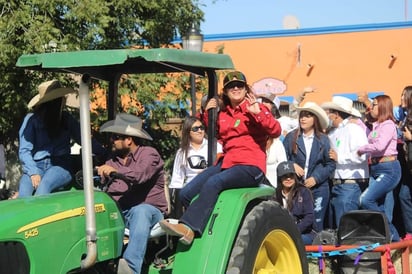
{"x":342,"y":62}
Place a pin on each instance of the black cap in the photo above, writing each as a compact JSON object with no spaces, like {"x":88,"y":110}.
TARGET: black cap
{"x":285,"y":168}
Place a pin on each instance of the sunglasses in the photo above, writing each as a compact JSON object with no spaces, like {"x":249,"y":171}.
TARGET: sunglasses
{"x":196,"y":129}
{"x":116,"y":137}
{"x":306,"y":114}
{"x":239,"y":85}
{"x":236,"y":75}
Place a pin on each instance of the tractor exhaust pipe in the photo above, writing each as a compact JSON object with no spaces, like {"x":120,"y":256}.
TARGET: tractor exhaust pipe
{"x":87,"y":166}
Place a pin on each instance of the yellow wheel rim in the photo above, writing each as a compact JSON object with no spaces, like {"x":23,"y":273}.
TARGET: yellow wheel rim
{"x":277,"y":254}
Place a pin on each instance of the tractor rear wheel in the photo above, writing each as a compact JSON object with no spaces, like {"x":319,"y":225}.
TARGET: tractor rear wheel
{"x":268,"y":242}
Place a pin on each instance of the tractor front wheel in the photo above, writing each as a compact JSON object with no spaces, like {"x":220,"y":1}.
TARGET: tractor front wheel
{"x":268,"y":242}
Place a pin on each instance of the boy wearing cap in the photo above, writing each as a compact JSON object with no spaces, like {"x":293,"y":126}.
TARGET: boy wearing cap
{"x":297,"y":199}
{"x":352,"y":171}
{"x":144,"y":203}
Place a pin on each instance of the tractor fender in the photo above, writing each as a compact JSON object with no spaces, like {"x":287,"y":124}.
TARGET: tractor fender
{"x":212,"y":250}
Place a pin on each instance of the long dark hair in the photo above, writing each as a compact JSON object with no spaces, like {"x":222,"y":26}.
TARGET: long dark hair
{"x":186,"y":128}
{"x":292,"y":193}
{"x":317,"y":128}
{"x":407,"y":93}
{"x":51,"y":115}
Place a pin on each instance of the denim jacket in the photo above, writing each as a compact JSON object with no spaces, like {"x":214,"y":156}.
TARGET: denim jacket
{"x":36,"y":145}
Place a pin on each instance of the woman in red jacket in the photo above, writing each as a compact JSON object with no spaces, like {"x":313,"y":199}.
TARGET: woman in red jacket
{"x":244,"y":126}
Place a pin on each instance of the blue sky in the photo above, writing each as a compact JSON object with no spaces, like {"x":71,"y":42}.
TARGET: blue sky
{"x":231,"y":16}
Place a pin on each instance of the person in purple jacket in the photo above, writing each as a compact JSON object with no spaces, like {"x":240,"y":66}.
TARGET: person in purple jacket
{"x":385,"y":169}
{"x":297,"y":199}
{"x":144,"y":204}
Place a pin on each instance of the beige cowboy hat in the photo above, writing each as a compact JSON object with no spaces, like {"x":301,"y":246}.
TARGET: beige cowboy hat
{"x":318,"y":111}
{"x":126,"y":124}
{"x":49,"y":91}
{"x":343,"y":104}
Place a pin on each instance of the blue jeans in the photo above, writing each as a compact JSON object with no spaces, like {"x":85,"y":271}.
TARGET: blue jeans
{"x":307,"y":238}
{"x":55,"y":173}
{"x":140,"y":219}
{"x":321,"y":196}
{"x":344,"y":198}
{"x":384,"y":177}
{"x":209,"y":184}
{"x":405,"y":201}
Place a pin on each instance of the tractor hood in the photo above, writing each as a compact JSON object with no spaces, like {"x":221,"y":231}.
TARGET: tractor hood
{"x":25,"y":214}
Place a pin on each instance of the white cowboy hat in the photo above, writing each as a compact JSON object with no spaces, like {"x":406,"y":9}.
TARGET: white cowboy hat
{"x":318,"y":111}
{"x":356,"y":113}
{"x":49,"y":91}
{"x":271,"y":97}
{"x":343,"y":104}
{"x":126,"y":124}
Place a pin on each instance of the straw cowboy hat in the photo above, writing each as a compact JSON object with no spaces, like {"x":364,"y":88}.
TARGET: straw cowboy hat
{"x":49,"y":91}
{"x":318,"y":111}
{"x":343,"y":104}
{"x":126,"y":124}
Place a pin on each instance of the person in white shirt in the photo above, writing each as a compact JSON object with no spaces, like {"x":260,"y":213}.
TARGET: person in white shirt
{"x":275,"y":151}
{"x":352,"y":171}
{"x":193,"y":143}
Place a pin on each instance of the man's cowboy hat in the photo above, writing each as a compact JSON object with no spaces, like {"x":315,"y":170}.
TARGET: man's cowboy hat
{"x":126,"y":124}
{"x":49,"y":91}
{"x":343,"y":104}
{"x":318,"y":111}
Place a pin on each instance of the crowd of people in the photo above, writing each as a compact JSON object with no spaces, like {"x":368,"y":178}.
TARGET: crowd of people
{"x":327,"y":160}
{"x":344,"y":159}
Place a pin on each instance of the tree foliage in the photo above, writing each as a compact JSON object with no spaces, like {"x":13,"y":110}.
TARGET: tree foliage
{"x":33,"y":26}
{"x":156,"y":98}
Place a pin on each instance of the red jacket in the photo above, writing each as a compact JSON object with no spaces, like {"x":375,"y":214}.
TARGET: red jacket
{"x":243,"y":135}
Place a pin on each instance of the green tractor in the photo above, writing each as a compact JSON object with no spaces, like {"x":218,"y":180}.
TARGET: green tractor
{"x":82,"y":230}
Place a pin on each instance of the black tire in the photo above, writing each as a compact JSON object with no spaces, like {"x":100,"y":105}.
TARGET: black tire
{"x":268,"y":240}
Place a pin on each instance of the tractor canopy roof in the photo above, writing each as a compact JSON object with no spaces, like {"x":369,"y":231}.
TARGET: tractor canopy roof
{"x":105,"y":64}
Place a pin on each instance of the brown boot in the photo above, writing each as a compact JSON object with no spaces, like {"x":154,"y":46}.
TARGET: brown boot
{"x":183,"y":231}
